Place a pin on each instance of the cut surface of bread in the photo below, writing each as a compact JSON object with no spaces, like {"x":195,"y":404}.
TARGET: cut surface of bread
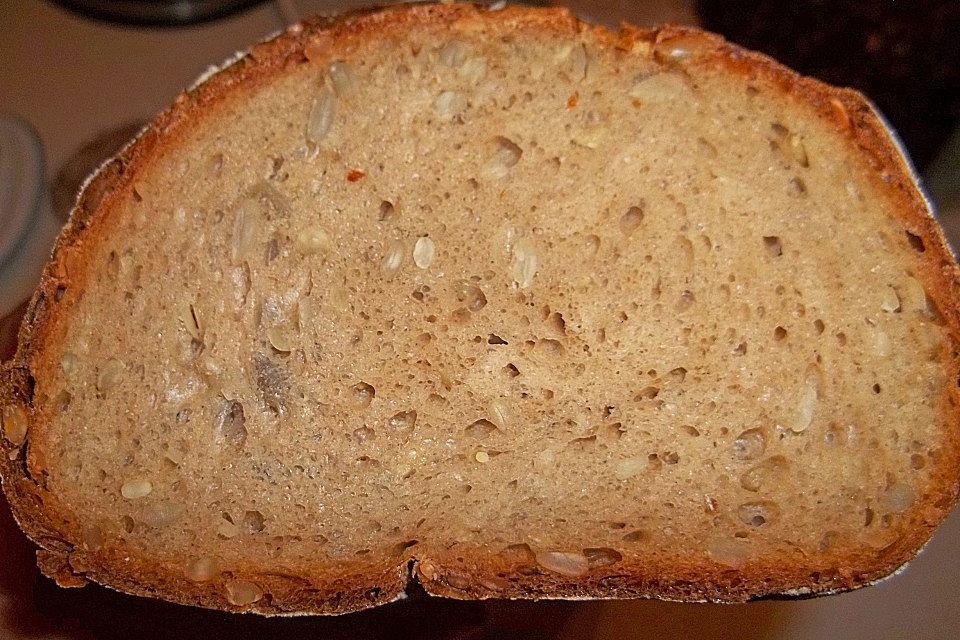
{"x":496,"y":301}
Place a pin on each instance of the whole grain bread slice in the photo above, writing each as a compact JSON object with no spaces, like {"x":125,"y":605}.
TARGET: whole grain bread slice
{"x":497,"y":301}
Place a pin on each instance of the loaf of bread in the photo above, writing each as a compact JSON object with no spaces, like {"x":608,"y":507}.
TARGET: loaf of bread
{"x":498,"y":302}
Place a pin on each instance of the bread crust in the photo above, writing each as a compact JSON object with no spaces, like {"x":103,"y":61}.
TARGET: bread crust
{"x":63,"y":556}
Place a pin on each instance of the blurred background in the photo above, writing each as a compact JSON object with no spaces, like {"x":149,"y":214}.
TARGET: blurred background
{"x":79,"y":77}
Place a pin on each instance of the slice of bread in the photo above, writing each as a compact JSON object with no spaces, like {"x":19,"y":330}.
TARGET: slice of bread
{"x":498,"y":302}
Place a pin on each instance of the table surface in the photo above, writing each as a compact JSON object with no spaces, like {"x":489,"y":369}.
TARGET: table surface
{"x":73,"y":79}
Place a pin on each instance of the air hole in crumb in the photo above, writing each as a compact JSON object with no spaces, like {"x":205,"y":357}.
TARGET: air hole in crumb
{"x":637,"y":536}
{"x":842,"y":339}
{"x":685,"y":301}
{"x":556,"y":322}
{"x":779,"y":333}
{"x":797,"y":186}
{"x":876,"y":387}
{"x":363,"y":393}
{"x":647,"y":393}
{"x":403,"y":422}
{"x":818,"y":326}
{"x":773,"y":245}
{"x":400,"y":547}
{"x":387,"y":211}
{"x":549,"y":346}
{"x":916,"y":242}
{"x":480,"y":428}
{"x":631,"y":219}
{"x":614,"y":431}
{"x":253,"y":522}
{"x":690,"y":430}
{"x":917,"y":462}
{"x":511,"y":370}
{"x":495,"y":339}
{"x":363,"y":434}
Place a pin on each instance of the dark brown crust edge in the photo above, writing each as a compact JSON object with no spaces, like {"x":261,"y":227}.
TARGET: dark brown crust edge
{"x":62,"y":555}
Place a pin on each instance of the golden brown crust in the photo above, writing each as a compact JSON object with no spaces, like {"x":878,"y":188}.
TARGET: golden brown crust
{"x":482,"y":575}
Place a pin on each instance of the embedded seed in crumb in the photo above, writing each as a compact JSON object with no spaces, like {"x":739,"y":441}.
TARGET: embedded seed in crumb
{"x":482,"y":457}
{"x":448,"y":104}
{"x":563,"y":562}
{"x":110,"y":374}
{"x":661,"y":88}
{"x":473,"y":70}
{"x":312,"y":240}
{"x":14,"y":424}
{"x":201,"y":569}
{"x":881,"y":343}
{"x":890,"y":301}
{"x":629,"y":467}
{"x":454,"y":53}
{"x":321,"y":116}
{"x":162,"y":514}
{"x":806,"y":404}
{"x":392,"y":258}
{"x":92,"y":537}
{"x":342,"y":77}
{"x":241,"y":593}
{"x":524,"y":266}
{"x":244,"y":229}
{"x":579,"y":60}
{"x":424,"y":251}
{"x":281,"y":338}
{"x":498,"y":414}
{"x":730,"y":552}
{"x":898,"y":498}
{"x":69,"y":363}
{"x":134,"y":489}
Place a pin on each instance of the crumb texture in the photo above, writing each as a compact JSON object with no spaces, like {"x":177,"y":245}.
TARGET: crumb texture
{"x":459,"y":294}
